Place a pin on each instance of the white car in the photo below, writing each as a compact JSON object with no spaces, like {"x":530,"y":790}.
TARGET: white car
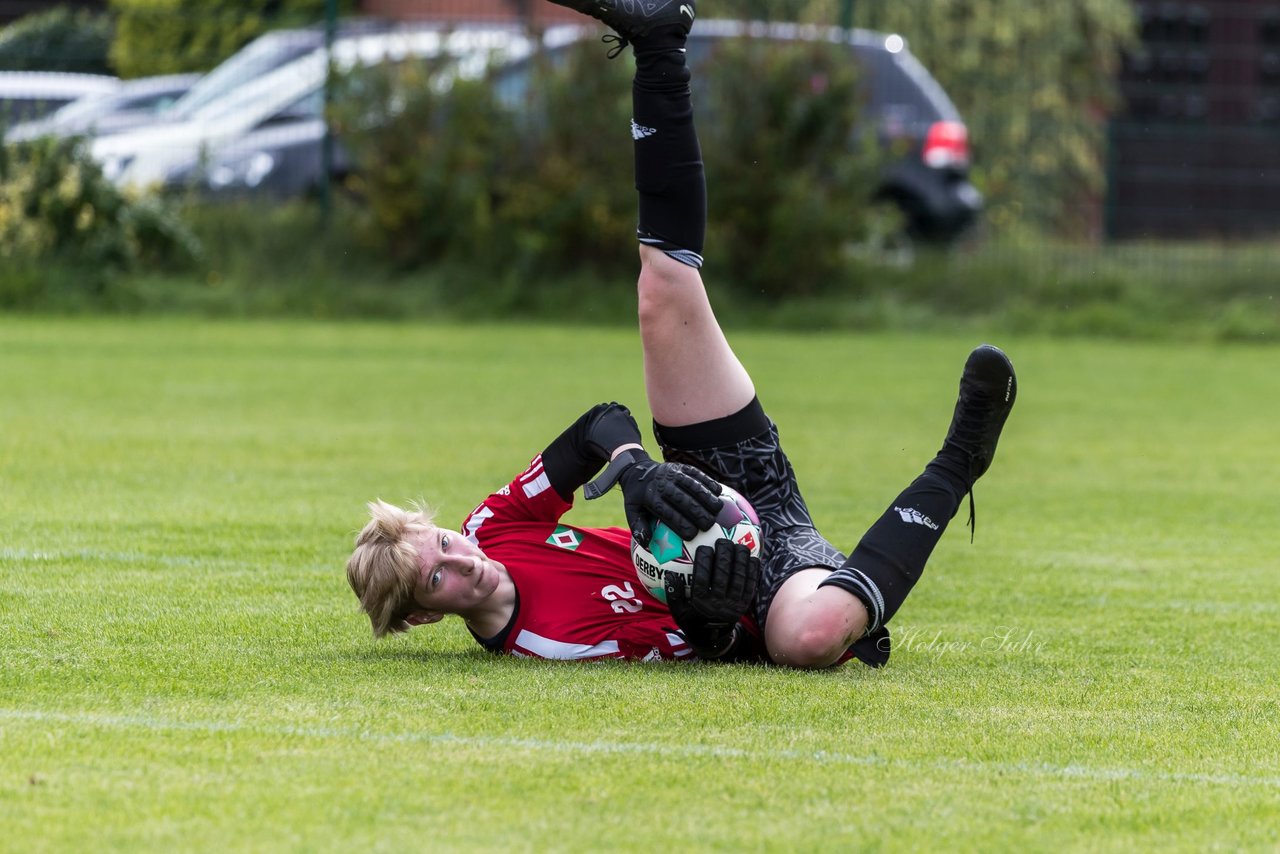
{"x":209,"y":133}
{"x":28,"y":95}
{"x":132,"y":104}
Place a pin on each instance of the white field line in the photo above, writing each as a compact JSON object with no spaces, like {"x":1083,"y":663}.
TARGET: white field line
{"x":133,"y":560}
{"x":815,"y":757}
{"x":95,"y":556}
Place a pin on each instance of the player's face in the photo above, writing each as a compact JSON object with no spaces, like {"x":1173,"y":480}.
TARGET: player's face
{"x":454,"y":575}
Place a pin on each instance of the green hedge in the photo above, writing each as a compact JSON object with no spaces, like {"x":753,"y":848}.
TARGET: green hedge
{"x":57,"y":209}
{"x":447,"y":173}
{"x":789,"y":183}
{"x":171,"y":36}
{"x":57,"y":40}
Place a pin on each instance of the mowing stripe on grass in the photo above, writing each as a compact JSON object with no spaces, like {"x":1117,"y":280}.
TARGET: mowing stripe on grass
{"x":818,"y":757}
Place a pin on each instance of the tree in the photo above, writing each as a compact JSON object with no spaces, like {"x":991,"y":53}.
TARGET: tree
{"x":57,"y":40}
{"x":169,"y":36}
{"x":1034,"y":83}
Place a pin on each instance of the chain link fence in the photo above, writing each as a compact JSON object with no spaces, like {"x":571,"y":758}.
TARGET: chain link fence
{"x":1095,"y":132}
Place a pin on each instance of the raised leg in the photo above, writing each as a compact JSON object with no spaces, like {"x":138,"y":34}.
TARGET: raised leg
{"x":815,"y":616}
{"x":691,"y":373}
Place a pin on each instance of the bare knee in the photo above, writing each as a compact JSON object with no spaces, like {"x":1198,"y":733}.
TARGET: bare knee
{"x":819,"y":643}
{"x":816,"y":630}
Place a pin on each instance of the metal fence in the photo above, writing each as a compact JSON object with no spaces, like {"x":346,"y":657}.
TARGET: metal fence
{"x":1192,"y":154}
{"x":1196,"y":152}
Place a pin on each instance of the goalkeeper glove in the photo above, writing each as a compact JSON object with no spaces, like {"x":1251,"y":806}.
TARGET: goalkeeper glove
{"x":708,"y":606}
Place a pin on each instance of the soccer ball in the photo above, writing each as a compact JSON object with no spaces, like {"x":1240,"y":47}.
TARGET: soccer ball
{"x":667,"y":552}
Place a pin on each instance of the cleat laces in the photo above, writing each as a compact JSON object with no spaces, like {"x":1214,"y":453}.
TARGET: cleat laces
{"x":969,"y":432}
{"x":973,"y":517}
{"x":619,"y":44}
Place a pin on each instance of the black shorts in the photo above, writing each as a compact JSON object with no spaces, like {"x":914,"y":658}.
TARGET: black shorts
{"x":743,"y":451}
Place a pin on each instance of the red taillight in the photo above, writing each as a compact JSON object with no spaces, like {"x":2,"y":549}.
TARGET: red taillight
{"x":946,"y":145}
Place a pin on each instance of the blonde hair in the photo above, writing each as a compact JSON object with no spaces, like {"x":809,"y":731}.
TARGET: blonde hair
{"x":383,"y":569}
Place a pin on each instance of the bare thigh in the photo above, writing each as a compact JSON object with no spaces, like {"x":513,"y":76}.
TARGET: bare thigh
{"x":691,"y":373}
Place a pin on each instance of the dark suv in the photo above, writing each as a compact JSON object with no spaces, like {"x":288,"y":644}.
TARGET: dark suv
{"x":930,"y":183}
{"x":911,"y":112}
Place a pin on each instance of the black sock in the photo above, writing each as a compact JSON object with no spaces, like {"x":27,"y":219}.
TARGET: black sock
{"x":668,"y":159}
{"x":890,"y":558}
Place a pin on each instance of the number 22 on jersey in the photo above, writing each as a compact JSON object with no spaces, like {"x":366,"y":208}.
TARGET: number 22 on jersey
{"x":622,"y":599}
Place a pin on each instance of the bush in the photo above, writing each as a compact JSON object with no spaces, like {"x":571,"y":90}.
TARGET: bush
{"x":56,"y":207}
{"x":57,"y":40}
{"x":789,"y":183}
{"x":569,"y":205}
{"x":450,"y":172}
{"x":1165,"y":291}
{"x":429,"y":165}
{"x":172,"y":36}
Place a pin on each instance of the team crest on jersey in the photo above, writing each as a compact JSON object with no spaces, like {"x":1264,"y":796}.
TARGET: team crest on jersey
{"x":566,"y":538}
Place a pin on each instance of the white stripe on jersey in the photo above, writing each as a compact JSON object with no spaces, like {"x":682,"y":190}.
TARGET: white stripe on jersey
{"x":531,"y":643}
{"x":537,"y":487}
{"x":534,"y":469}
{"x":474,"y":521}
{"x":679,"y":646}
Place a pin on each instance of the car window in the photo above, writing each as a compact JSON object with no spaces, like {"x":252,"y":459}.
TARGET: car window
{"x":16,"y":110}
{"x":902,"y":80}
{"x":85,"y":108}
{"x":511,"y":84}
{"x":899,"y":92}
{"x":151,"y":102}
{"x":309,"y":106}
{"x":511,"y":81}
{"x":266,"y":54}
{"x":259,"y":98}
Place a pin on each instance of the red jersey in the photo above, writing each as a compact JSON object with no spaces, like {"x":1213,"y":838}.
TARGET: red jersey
{"x":577,"y":594}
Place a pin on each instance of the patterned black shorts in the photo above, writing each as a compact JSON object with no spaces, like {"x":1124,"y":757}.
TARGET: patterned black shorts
{"x":757,"y":467}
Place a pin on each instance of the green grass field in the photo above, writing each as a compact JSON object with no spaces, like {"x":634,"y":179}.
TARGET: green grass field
{"x":185,"y":668}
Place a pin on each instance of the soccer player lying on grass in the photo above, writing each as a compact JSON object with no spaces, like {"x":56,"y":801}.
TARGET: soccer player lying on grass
{"x":528,"y":585}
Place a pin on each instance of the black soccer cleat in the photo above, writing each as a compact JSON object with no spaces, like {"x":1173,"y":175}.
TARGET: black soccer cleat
{"x":635,"y":19}
{"x":988,"y":389}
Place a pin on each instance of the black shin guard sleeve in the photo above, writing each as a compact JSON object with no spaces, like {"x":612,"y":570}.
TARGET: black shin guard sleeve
{"x":668,"y":160}
{"x":890,"y":558}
